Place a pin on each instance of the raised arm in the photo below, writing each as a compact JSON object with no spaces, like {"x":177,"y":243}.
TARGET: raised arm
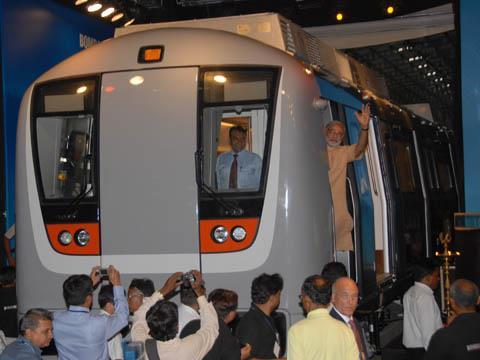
{"x":140,"y":330}
{"x":119,"y":319}
{"x":363,"y":118}
{"x":202,"y":341}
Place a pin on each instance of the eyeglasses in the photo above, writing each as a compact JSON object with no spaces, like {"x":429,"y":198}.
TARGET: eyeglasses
{"x":134,"y":295}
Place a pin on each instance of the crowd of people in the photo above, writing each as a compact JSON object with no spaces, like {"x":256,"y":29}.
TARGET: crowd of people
{"x":199,"y":328}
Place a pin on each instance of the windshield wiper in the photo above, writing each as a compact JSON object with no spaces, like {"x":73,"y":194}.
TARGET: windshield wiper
{"x":230,"y":207}
{"x":86,"y":188}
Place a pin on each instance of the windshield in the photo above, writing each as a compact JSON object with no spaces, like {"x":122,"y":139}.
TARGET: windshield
{"x":235,"y":118}
{"x":63,"y":127}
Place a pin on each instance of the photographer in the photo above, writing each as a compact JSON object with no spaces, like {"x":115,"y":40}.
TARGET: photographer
{"x":162,"y":320}
{"x":139,"y":330}
{"x":79,"y":334}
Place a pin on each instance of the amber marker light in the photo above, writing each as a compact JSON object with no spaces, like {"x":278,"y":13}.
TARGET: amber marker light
{"x":150,"y":54}
{"x":339,"y":16}
{"x":390,"y":10}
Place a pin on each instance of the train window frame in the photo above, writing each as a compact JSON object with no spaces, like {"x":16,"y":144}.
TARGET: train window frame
{"x":445,"y":184}
{"x":38,"y":111}
{"x":400,"y":184}
{"x":431,"y":169}
{"x":250,"y":199}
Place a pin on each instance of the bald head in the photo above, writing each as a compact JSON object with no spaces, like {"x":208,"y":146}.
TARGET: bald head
{"x":465,"y":293}
{"x":345,"y":296}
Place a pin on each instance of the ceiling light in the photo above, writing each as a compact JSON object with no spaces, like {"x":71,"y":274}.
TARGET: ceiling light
{"x":410,"y":59}
{"x":117,"y":16}
{"x":81,"y":89}
{"x":433,"y":73}
{"x":441,"y":79}
{"x":416,"y":57}
{"x":220,"y":79}
{"x":448,"y":85}
{"x":400,"y":49}
{"x":424,"y":65}
{"x":108,"y":11}
{"x":94,"y":7}
{"x":419,"y":66}
{"x":136,"y":80}
{"x":129,"y":22}
{"x":80,"y":2}
{"x":429,"y":74}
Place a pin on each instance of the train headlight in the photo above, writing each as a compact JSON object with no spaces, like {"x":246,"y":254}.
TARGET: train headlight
{"x":82,"y":237}
{"x":65,"y":237}
{"x":239,"y":233}
{"x":220,"y":234}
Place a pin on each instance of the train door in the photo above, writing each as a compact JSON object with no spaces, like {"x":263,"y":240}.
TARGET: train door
{"x":434,"y":153}
{"x":343,"y":106}
{"x":406,"y":202}
{"x":148,"y":195}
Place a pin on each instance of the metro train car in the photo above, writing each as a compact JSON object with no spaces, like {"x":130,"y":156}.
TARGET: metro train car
{"x":117,"y":152}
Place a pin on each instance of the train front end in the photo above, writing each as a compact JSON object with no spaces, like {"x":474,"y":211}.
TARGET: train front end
{"x":119,"y":162}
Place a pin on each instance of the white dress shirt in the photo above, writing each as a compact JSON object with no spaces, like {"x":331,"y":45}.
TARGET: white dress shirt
{"x":115,"y":350}
{"x":195,"y":346}
{"x":249,"y":169}
{"x":140,"y":330}
{"x":421,"y":316}
{"x":185,"y":315}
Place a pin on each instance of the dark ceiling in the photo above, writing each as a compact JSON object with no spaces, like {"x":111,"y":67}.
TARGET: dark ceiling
{"x":407,"y":82}
{"x":303,"y":12}
{"x":424,"y":71}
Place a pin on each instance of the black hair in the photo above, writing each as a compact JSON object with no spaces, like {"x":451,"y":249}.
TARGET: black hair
{"x":240,"y":129}
{"x":145,"y":285}
{"x":464,"y":292}
{"x":31,"y":319}
{"x":333,"y":271}
{"x":188,"y":296}
{"x":424,"y":268}
{"x":76,"y":289}
{"x":264,"y":286}
{"x":224,"y":301}
{"x":7,"y":276}
{"x":162,"y":319}
{"x":320,"y":292}
{"x":105,"y":295}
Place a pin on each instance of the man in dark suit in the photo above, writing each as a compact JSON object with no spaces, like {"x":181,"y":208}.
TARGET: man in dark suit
{"x":344,"y":304}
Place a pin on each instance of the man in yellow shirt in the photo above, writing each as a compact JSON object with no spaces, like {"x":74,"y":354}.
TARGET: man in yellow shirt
{"x":319,"y":336}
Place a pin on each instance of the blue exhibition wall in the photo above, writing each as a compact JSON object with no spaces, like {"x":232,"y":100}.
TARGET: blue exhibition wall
{"x":35,"y":35}
{"x":470,"y":95}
